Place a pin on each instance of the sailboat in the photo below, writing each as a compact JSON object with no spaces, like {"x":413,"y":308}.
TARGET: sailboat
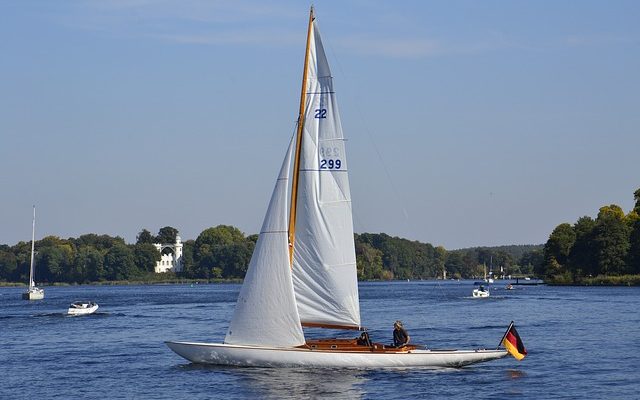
{"x":34,"y":292}
{"x":303,"y":269}
{"x":490,"y":279}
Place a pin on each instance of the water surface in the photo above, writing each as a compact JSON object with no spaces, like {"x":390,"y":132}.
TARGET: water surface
{"x":582,"y":343}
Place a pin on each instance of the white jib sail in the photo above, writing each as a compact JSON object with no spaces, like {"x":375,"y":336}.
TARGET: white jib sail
{"x":324,"y":267}
{"x":266,"y":313}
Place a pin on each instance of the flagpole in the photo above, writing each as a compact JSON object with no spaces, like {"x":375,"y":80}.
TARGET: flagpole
{"x":505,"y":334}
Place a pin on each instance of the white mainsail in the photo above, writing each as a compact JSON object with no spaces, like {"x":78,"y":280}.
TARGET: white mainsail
{"x":324,"y":262}
{"x":266,"y":313}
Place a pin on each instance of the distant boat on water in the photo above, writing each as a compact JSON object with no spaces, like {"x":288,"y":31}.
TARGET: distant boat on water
{"x":480,"y":292}
{"x":82,"y":308}
{"x":34,"y":292}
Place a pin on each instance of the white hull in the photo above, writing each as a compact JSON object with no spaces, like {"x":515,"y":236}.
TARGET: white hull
{"x":33,"y":294}
{"x":82,"y":311}
{"x":249,"y":356}
{"x":479,"y":293}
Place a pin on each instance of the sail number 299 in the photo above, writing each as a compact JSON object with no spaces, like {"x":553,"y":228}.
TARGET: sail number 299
{"x":330,"y":164}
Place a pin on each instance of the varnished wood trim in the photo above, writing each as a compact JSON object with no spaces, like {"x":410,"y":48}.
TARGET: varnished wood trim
{"x":296,"y":163}
{"x":332,"y":326}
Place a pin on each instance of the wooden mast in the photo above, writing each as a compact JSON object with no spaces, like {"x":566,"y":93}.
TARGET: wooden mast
{"x":296,"y":162}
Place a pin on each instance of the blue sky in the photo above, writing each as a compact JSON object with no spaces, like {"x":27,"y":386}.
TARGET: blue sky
{"x":470,"y":123}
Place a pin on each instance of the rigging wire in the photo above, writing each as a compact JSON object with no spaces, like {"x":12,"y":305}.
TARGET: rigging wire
{"x":367,"y":131}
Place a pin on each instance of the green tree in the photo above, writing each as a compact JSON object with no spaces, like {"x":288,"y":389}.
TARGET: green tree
{"x":8,"y":265}
{"x":211,"y":249}
{"x":145,"y":237}
{"x":582,"y":256}
{"x":557,"y":250}
{"x":99,"y":242}
{"x":470,"y":260}
{"x":455,"y":265}
{"x":611,"y":236}
{"x":634,"y":248}
{"x":220,"y":235}
{"x":54,"y":260}
{"x":531,"y":262}
{"x":167,"y":234}
{"x":146,"y":256}
{"x":404,"y":259}
{"x":634,"y":236}
{"x":253,"y":238}
{"x":234,"y":258}
{"x":368,"y":261}
{"x":88,"y":265}
{"x":22,"y":252}
{"x":119,"y":263}
{"x":189,"y":267}
{"x":440,"y":257}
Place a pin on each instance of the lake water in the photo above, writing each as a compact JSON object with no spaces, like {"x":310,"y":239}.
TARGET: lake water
{"x":583,"y":342}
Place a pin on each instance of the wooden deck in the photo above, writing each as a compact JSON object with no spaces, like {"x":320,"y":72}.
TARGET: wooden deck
{"x":354,"y":345}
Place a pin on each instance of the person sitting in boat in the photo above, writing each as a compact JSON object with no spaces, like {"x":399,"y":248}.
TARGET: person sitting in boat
{"x":364,"y":340}
{"x":400,"y":335}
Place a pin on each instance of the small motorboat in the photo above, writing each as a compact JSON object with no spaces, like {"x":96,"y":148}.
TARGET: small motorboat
{"x":480,"y":292}
{"x":82,"y":308}
{"x":509,"y":287}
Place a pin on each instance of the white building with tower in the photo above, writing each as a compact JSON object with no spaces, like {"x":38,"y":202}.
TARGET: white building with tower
{"x":170,"y":261}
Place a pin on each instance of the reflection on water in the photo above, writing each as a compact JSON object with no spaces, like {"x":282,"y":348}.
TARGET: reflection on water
{"x":292,"y":383}
{"x":515,"y":374}
{"x":304,"y":383}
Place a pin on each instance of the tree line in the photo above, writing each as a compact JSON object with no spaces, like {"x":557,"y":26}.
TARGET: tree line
{"x":382,"y":257}
{"x":224,"y":252}
{"x":219,"y":252}
{"x":608,"y":246}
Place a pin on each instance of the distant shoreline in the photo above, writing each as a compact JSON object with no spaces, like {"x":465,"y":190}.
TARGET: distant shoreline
{"x":132,"y":282}
{"x":603,"y":280}
{"x":626,"y":280}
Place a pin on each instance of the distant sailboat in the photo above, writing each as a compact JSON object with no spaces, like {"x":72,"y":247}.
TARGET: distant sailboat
{"x":490,"y":279}
{"x":34,"y":292}
{"x":303,"y":269}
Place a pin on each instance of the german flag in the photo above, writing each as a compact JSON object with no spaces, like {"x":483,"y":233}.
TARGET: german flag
{"x":512,"y":342}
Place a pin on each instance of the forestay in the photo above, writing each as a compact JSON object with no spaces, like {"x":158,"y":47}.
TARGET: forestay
{"x":324,"y":262}
{"x":266,"y":313}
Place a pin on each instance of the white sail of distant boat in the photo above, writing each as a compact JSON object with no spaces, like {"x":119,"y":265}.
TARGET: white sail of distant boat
{"x":34,"y":292}
{"x":490,"y":278}
{"x":303,"y":269}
